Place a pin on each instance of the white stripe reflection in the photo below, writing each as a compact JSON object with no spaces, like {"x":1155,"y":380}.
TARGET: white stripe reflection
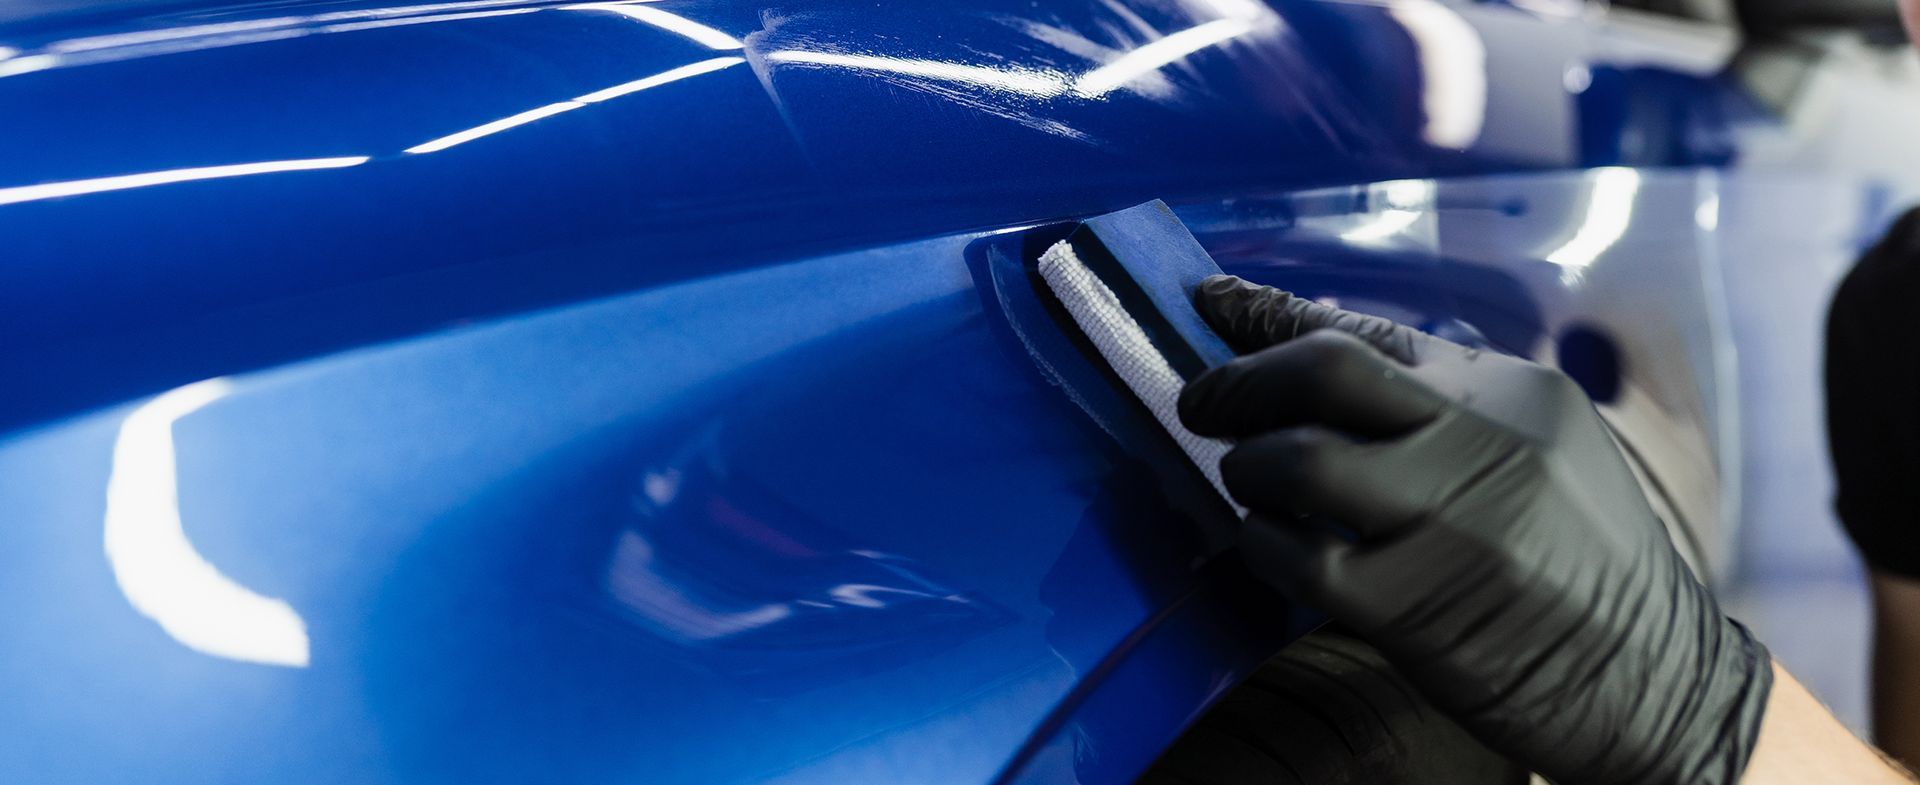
{"x":668,"y":21}
{"x":1158,"y":54}
{"x":157,"y":568}
{"x":597,"y":96}
{"x":29,"y":193}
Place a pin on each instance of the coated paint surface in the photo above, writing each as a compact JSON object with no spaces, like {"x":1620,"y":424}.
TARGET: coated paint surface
{"x":613,"y":392}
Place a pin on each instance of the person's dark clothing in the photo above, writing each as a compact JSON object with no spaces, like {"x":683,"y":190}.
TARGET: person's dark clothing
{"x":1873,"y":400}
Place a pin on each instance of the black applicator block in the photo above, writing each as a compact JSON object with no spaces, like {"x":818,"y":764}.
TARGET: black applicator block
{"x":1152,"y":263}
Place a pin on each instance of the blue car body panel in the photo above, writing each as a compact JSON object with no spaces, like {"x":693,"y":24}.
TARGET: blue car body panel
{"x":616,"y":392}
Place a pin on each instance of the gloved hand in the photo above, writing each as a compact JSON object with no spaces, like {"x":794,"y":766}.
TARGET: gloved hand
{"x":1491,"y":540}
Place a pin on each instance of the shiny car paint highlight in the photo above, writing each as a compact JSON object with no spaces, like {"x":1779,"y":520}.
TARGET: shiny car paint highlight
{"x":503,"y":391}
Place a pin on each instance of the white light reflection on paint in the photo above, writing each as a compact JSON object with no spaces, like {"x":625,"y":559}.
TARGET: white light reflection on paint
{"x":1560,"y":8}
{"x":504,"y":123}
{"x":28,"y":64}
{"x":488,"y":129}
{"x":1387,"y":224}
{"x":410,"y":10}
{"x":157,"y":568}
{"x":1405,"y":200}
{"x":108,"y":48}
{"x":1707,"y":215}
{"x":1577,"y":78}
{"x":1239,"y":9}
{"x":1609,"y":211}
{"x":1453,"y":71}
{"x":1407,"y":194}
{"x":349,"y":27}
{"x":29,"y":193}
{"x":670,"y":22}
{"x":1158,"y":54}
{"x":91,"y":43}
{"x":866,"y":595}
{"x":1040,"y":84}
{"x":677,"y":74}
{"x":221,"y":29}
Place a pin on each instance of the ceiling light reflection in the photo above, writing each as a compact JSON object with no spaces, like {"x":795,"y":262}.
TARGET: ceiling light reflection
{"x":1040,"y":84}
{"x":1156,"y":55}
{"x":1238,"y":9}
{"x":116,"y":40}
{"x":1550,"y":7}
{"x":410,"y":10}
{"x":488,"y":129}
{"x":1609,"y":212}
{"x":145,"y":43}
{"x":29,"y":193}
{"x":1707,"y":215}
{"x":1408,"y":194}
{"x":670,"y":22}
{"x":1577,"y":78}
{"x":90,"y":43}
{"x":1381,"y":227}
{"x":504,"y":123}
{"x":349,"y":27}
{"x":677,"y":74}
{"x":1453,"y":71}
{"x":28,"y":64}
{"x":1400,"y":204}
{"x":157,"y":568}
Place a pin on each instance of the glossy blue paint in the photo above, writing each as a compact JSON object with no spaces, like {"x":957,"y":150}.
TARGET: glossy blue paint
{"x":625,"y":192}
{"x":494,"y":391}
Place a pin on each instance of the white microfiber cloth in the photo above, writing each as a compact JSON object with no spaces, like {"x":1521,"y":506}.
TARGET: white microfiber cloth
{"x":1119,"y":339}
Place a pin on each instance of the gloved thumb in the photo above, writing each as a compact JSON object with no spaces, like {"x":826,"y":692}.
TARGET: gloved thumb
{"x":1294,"y":556}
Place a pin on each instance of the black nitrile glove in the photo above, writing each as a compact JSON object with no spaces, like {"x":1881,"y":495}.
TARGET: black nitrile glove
{"x":1502,"y":555}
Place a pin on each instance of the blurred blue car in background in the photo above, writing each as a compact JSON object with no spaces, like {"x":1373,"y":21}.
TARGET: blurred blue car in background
{"x":508,"y":390}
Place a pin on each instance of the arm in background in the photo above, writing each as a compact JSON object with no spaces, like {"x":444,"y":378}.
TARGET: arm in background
{"x":1896,"y":664}
{"x":1800,"y":742}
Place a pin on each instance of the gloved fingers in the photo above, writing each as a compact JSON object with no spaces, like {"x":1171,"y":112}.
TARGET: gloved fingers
{"x":1294,"y":555}
{"x":1316,"y":471}
{"x":1327,"y":378}
{"x":1251,"y":317}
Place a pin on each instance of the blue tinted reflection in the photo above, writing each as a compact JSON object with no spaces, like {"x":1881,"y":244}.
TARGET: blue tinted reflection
{"x":714,"y":562}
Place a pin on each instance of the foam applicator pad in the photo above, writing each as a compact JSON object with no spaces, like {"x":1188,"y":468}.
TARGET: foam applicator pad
{"x":1127,"y":279}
